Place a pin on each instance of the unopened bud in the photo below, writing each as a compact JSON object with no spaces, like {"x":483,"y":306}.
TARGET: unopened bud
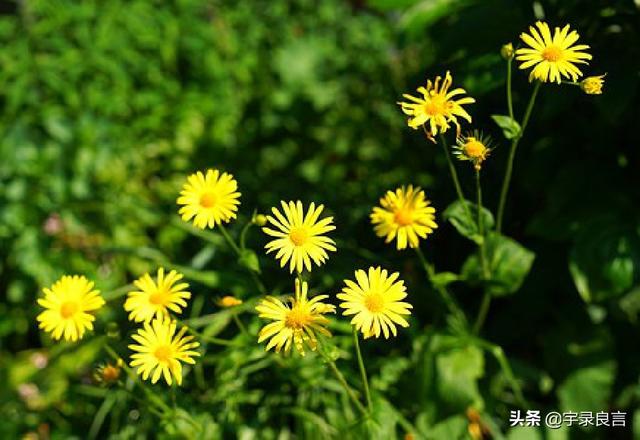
{"x":507,"y":51}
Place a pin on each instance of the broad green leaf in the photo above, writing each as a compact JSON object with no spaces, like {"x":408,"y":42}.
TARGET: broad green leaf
{"x":510,"y":127}
{"x":630,"y":304}
{"x":452,"y":428}
{"x":587,"y":389}
{"x":605,"y":259}
{"x":458,"y":372}
{"x":466,"y":220}
{"x":509,"y":262}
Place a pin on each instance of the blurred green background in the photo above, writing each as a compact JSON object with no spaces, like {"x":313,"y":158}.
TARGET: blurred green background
{"x":105,"y":107}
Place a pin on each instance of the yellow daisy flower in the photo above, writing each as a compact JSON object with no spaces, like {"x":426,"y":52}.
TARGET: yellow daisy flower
{"x":552,"y":57}
{"x":473,"y":147}
{"x":155,"y":299}
{"x":209,"y":199}
{"x":296,"y":324}
{"x":68,"y":303}
{"x":436,"y":108}
{"x":592,"y":85}
{"x":404,"y":214}
{"x":299,"y":238}
{"x":374,"y":300}
{"x":161,"y":350}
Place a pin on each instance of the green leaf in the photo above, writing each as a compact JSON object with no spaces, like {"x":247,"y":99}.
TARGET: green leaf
{"x":249,"y":259}
{"x":605,"y":259}
{"x":466,"y":220}
{"x":458,"y":373}
{"x":443,"y":279}
{"x":509,"y":262}
{"x":587,"y":388}
{"x":510,"y":127}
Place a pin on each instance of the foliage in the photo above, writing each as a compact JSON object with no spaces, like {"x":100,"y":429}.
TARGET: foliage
{"x":105,"y":107}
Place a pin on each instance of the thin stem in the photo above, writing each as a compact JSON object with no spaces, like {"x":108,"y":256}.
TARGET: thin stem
{"x":238,"y":252}
{"x":454,"y":177}
{"x":229,"y":239}
{"x":239,"y":323}
{"x":512,"y":153}
{"x":363,"y":371}
{"x":482,"y":314}
{"x":505,"y":366}
{"x":444,"y":293}
{"x":483,"y":249}
{"x":343,"y":382}
{"x":211,"y":339}
{"x":509,"y":97}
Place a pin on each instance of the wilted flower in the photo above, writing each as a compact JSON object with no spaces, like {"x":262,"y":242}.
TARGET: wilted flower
{"x":592,"y":85}
{"x":474,"y":147}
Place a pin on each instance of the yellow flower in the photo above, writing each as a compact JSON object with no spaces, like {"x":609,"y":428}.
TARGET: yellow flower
{"x":404,"y":214}
{"x":107,"y":374}
{"x":374,"y":299}
{"x":592,"y":85}
{"x":552,"y":57}
{"x":299,"y":238}
{"x":296,"y":324}
{"x":67,"y":304}
{"x":155,"y":299}
{"x":229,"y":301}
{"x":209,"y":199}
{"x":437,"y":108}
{"x":473,"y":147}
{"x":161,"y":350}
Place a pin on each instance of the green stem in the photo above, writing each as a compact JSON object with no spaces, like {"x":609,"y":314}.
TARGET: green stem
{"x":117,"y":293}
{"x":232,"y":244}
{"x":483,"y":248}
{"x":454,"y":177}
{"x":505,"y":366}
{"x":239,"y":323}
{"x":363,"y":371}
{"x":512,"y":153}
{"x":509,"y":97}
{"x":336,"y":372}
{"x":444,"y":293}
{"x":482,"y":314}
{"x":211,"y":339}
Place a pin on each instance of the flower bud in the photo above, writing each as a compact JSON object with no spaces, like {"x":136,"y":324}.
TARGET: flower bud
{"x":259,"y":220}
{"x":592,"y":85}
{"x":507,"y":51}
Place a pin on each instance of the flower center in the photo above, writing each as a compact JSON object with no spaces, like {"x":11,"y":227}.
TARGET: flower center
{"x":435,"y":106}
{"x":159,"y":297}
{"x":474,"y":149}
{"x":207,"y":200}
{"x":374,"y":302}
{"x":163,"y":353}
{"x":297,"y":319}
{"x":403,"y":217}
{"x":68,"y":309}
{"x":298,"y":236}
{"x":552,"y":53}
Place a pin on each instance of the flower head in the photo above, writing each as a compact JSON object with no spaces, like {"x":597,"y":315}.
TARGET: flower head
{"x":299,"y":238}
{"x":209,"y":199}
{"x":107,"y":374}
{"x":161,"y":350}
{"x":404,"y":214}
{"x":437,"y":106}
{"x":592,"y":85}
{"x":375,"y":301}
{"x":68,"y":303}
{"x":295,"y":324}
{"x":506,"y":51}
{"x":473,"y":147}
{"x":552,"y":57}
{"x":156,"y":297}
{"x":229,"y":301}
